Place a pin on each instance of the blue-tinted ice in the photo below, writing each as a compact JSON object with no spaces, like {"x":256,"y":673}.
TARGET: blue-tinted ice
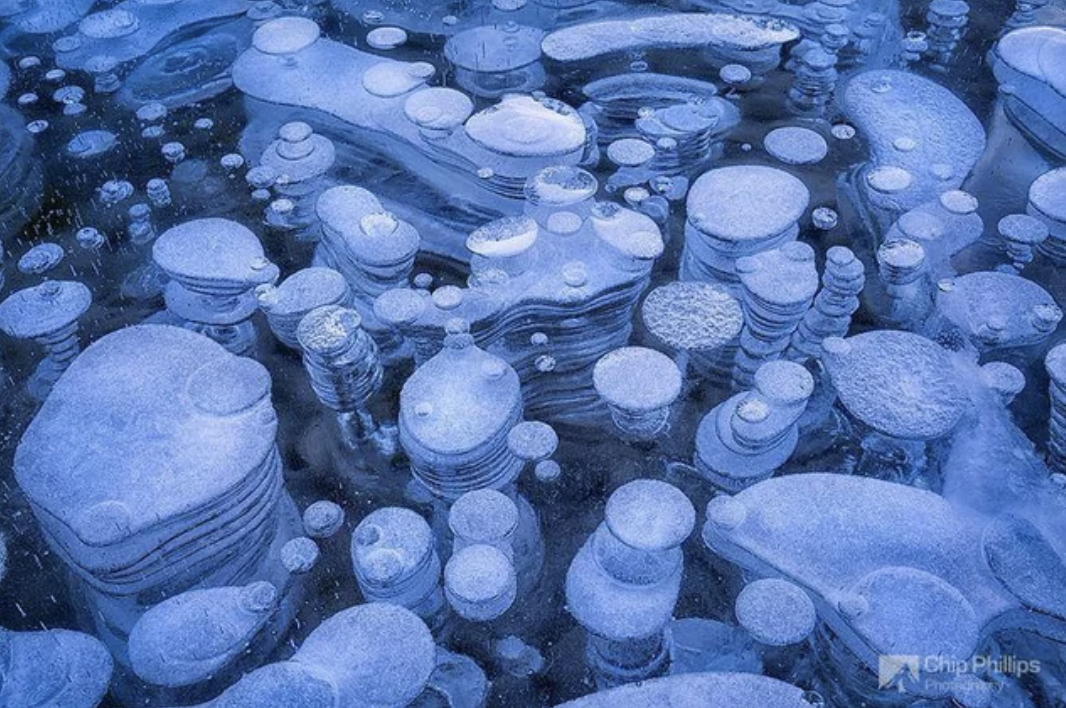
{"x":389,"y":353}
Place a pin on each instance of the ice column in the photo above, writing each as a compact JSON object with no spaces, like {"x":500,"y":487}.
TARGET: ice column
{"x":342,"y":361}
{"x":48,"y":314}
{"x":834,"y":305}
{"x":746,"y":438}
{"x":778,"y":287}
{"x":395,"y":560}
{"x":632,"y":561}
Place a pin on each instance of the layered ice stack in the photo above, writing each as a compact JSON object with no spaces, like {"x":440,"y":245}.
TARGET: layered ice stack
{"x":691,"y":133}
{"x":896,"y":551}
{"x":301,"y":160}
{"x":551,"y":292}
{"x":1055,"y":363}
{"x":519,"y":135}
{"x":738,"y":211}
{"x":214,"y":266}
{"x":456,"y":412}
{"x":417,"y":139}
{"x":1045,"y":203}
{"x":152,"y":468}
{"x":297,"y":295}
{"x":371,"y":247}
{"x":700,"y":322}
{"x":615,"y":102}
{"x":999,"y":314}
{"x":395,"y":561}
{"x":834,"y":305}
{"x":746,"y":438}
{"x":624,"y":581}
{"x":778,"y":287}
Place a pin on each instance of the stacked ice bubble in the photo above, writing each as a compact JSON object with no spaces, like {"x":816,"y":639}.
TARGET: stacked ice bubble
{"x":739,"y":211}
{"x":395,"y":561}
{"x":700,"y":322}
{"x":214,"y":267}
{"x":370,"y":247}
{"x":47,"y":314}
{"x":342,"y":363}
{"x":125,"y":472}
{"x":300,"y":159}
{"x":623,"y":583}
{"x":745,"y":439}
{"x":894,"y":556}
{"x":551,"y":291}
{"x":778,"y":287}
{"x":387,"y":353}
{"x":299,"y":294}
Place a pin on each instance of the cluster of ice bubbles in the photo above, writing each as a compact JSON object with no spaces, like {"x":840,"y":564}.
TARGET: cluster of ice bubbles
{"x":583,"y":353}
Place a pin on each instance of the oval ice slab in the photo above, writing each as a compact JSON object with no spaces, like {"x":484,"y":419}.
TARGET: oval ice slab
{"x":1032,"y":60}
{"x":775,"y":612}
{"x":187,"y":638}
{"x":673,"y":31}
{"x":710,"y":690}
{"x":438,"y":108}
{"x":388,"y":542}
{"x":746,"y":202}
{"x":372,"y":235}
{"x":376,"y":654}
{"x":528,"y":127}
{"x":203,"y":69}
{"x":369,"y":656}
{"x":899,"y":383}
{"x":637,"y":379}
{"x":890,"y":606}
{"x":948,"y":139}
{"x":650,"y":515}
{"x":783,"y":276}
{"x":692,"y":316}
{"x":44,"y":309}
{"x":494,"y":48}
{"x":56,"y":668}
{"x":305,"y":290}
{"x":145,"y":410}
{"x":999,"y":308}
{"x":459,"y":400}
{"x":1027,"y":565}
{"x":213,"y":250}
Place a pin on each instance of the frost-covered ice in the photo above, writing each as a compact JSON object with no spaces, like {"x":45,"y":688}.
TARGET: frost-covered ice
{"x":899,"y":383}
{"x":387,"y":353}
{"x":739,"y":211}
{"x":746,"y":36}
{"x":900,"y":558}
{"x":638,"y":385}
{"x":623,"y":583}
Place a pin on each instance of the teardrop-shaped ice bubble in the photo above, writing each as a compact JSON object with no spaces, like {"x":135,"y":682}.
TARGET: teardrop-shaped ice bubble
{"x":189,"y":637}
